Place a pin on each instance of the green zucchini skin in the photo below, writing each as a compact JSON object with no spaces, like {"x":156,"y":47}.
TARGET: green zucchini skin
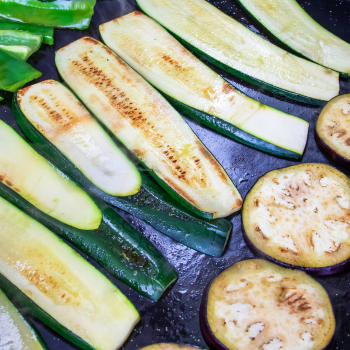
{"x":151,"y":204}
{"x":115,"y":245}
{"x":247,"y":78}
{"x":16,"y":295}
{"x":34,"y":332}
{"x":238,"y":74}
{"x":231,"y":131}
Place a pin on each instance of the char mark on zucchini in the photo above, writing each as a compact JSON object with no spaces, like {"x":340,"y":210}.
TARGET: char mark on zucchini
{"x":147,"y":125}
{"x":194,"y":89}
{"x":58,"y":286}
{"x":78,"y":159}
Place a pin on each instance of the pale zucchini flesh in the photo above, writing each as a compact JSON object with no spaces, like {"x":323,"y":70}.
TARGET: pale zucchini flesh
{"x":166,"y":64}
{"x":288,"y":21}
{"x":147,"y":125}
{"x":230,"y":44}
{"x":255,"y":304}
{"x":15,"y":332}
{"x":62,"y":283}
{"x":56,"y":113}
{"x":300,"y":215}
{"x":43,"y":185}
{"x":333,"y":125}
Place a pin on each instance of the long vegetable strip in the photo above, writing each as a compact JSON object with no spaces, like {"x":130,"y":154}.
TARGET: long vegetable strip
{"x":19,"y":43}
{"x":289,"y":23}
{"x":14,"y":73}
{"x":44,"y":31}
{"x":57,"y":13}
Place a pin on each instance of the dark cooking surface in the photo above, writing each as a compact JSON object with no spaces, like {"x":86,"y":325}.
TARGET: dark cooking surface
{"x":175,"y":317}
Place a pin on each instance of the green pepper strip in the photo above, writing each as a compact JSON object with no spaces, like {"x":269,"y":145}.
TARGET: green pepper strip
{"x":14,"y":73}
{"x":19,"y":44}
{"x":44,"y":31}
{"x":57,"y":13}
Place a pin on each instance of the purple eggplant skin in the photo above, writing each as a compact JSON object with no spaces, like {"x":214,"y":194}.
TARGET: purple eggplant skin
{"x":208,"y":335}
{"x":315,"y":271}
{"x":342,"y":161}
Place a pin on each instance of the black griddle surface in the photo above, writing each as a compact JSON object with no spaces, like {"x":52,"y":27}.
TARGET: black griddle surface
{"x":174,"y":318}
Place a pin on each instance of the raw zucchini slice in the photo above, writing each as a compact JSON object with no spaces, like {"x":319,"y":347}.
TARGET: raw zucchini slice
{"x":151,"y":204}
{"x":289,"y":23}
{"x":16,"y":332}
{"x":233,"y":47}
{"x":59,"y":286}
{"x":61,"y":118}
{"x":255,"y":304}
{"x":148,"y":126}
{"x":332,"y":132}
{"x":300,"y":216}
{"x":19,"y":43}
{"x":44,"y":31}
{"x":200,"y":92}
{"x":168,"y":346}
{"x":43,"y":185}
{"x":14,"y":73}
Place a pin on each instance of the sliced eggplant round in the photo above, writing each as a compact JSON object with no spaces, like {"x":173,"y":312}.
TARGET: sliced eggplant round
{"x":332,"y":132}
{"x":299,"y":217}
{"x":255,"y":304}
{"x":168,"y":346}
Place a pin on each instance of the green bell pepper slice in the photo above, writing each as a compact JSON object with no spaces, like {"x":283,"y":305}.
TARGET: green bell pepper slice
{"x":44,"y":31}
{"x":19,"y":43}
{"x":14,"y":73}
{"x":54,"y":13}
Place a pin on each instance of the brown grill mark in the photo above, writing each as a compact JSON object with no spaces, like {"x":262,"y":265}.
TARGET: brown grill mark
{"x":212,"y":161}
{"x":347,"y":142}
{"x":47,"y":285}
{"x":286,"y":250}
{"x":2,"y":178}
{"x":296,"y":301}
{"x":135,"y":116}
{"x":227,"y":88}
{"x":63,"y":120}
{"x":340,"y":133}
{"x":9,"y":183}
{"x":20,"y":95}
{"x":173,"y":62}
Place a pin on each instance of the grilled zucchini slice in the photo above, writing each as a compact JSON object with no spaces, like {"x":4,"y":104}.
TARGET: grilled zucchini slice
{"x":233,"y":47}
{"x":255,"y":304}
{"x":16,"y":332}
{"x":60,"y":117}
{"x":151,"y":204}
{"x":148,"y":126}
{"x":198,"y":91}
{"x":300,"y":216}
{"x":58,"y":286}
{"x":43,"y":185}
{"x":290,"y":24}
